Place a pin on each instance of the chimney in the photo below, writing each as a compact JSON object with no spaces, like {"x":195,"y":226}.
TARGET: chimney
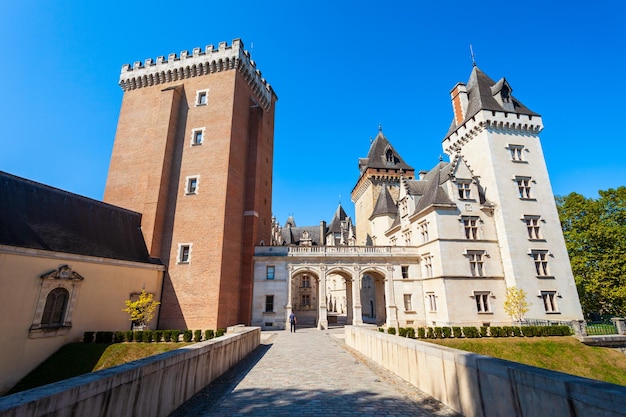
{"x":459,"y":102}
{"x":422,"y":174}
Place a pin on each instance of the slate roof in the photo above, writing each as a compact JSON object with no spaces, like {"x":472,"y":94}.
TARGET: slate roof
{"x":293,"y":235}
{"x":384,"y":203}
{"x":37,"y":216}
{"x":335,"y":223}
{"x":377,"y":158}
{"x":428,"y":191}
{"x":481,"y":92}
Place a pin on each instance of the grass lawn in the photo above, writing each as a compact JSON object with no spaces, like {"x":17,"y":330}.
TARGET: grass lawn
{"x":560,"y":353}
{"x":80,"y":358}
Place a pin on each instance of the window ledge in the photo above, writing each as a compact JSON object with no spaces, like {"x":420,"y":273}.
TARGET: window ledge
{"x":410,"y":311}
{"x":518,"y":161}
{"x":545,"y":276}
{"x":42,"y":332}
{"x":527,"y":199}
{"x":553,"y":312}
{"x":486,"y":312}
{"x":182,"y":263}
{"x":537,"y":240}
{"x":269,"y":313}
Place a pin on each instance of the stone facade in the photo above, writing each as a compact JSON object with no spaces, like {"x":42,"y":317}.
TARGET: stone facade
{"x":193,"y":153}
{"x":474,"y":227}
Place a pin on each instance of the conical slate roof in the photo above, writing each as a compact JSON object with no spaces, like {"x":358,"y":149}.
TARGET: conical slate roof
{"x":384,"y":204}
{"x":482,"y":92}
{"x":335,"y":224}
{"x":383,"y":155}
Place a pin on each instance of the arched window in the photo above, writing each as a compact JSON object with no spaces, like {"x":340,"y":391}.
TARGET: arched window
{"x":56,"y":305}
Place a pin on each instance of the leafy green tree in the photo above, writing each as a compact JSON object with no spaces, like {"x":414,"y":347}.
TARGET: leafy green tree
{"x":142,"y":310}
{"x":515,"y":304}
{"x":595,"y":236}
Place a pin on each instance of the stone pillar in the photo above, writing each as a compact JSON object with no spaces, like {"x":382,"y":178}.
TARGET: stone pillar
{"x":357,"y":310}
{"x":322,"y":322}
{"x":390,"y":299}
{"x":580,"y":329}
{"x":620,"y":324}
{"x":288,"y":307}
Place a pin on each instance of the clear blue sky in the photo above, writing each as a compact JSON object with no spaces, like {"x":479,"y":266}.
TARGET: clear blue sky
{"x":339,"y":69}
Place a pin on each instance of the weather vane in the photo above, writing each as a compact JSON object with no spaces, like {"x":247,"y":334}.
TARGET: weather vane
{"x":472,"y":56}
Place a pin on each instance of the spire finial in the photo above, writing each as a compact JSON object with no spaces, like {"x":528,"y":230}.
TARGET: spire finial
{"x":339,"y":199}
{"x":380,"y":127}
{"x":440,"y":158}
{"x":472,"y":56}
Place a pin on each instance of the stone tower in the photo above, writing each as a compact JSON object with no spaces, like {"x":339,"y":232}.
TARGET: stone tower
{"x":193,"y":153}
{"x":499,"y":139}
{"x":380,"y":171}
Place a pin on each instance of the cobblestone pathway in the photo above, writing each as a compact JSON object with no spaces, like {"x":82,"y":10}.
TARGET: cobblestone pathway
{"x":309,"y":373}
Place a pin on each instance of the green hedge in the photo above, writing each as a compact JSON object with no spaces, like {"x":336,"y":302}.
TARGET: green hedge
{"x":475,"y":332}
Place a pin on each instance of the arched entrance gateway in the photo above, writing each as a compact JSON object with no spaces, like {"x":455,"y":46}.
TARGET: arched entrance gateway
{"x":327,"y":286}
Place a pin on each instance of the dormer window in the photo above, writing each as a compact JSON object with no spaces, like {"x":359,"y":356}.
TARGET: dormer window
{"x":465,"y":192}
{"x":389,"y":156}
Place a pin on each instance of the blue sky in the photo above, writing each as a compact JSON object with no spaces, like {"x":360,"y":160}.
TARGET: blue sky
{"x":339,"y":69}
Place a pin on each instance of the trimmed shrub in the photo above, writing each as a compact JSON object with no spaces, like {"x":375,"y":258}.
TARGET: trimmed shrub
{"x":447,"y":332}
{"x":104,"y":337}
{"x":381,"y":330}
{"x":438,"y":332}
{"x":517,"y":331}
{"x":391,"y":330}
{"x":167,"y":336}
{"x":187,"y":336}
{"x":496,"y":331}
{"x":118,"y":337}
{"x":431,"y":333}
{"x":209,"y":334}
{"x":158,"y":335}
{"x":527,"y":331}
{"x":128,"y":335}
{"x":402,"y":331}
{"x":484,"y":331}
{"x":220,"y":332}
{"x":88,"y":337}
{"x":410,"y":332}
{"x":148,"y":336}
{"x":507,"y":331}
{"x":458,"y":333}
{"x":421,"y":333}
{"x":175,"y":335}
{"x":471,"y":332}
{"x":138,"y":336}
{"x":197,"y":336}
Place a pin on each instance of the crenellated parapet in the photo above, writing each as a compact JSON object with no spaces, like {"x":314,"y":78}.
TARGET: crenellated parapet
{"x":491,"y":121}
{"x":195,"y":64}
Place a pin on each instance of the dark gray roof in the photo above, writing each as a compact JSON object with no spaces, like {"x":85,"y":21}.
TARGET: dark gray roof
{"x":384,"y":204}
{"x":335,"y":223}
{"x":481,"y":92}
{"x":36,"y":216}
{"x":428,"y":191}
{"x":293,"y":235}
{"x":377,"y":156}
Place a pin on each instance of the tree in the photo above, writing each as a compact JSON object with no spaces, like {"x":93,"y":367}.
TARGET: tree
{"x":595,"y":236}
{"x":515,"y":304}
{"x":142,"y":310}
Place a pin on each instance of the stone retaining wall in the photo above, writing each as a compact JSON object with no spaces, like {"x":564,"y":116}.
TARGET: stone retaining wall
{"x":480,"y":386}
{"x":154,"y":386}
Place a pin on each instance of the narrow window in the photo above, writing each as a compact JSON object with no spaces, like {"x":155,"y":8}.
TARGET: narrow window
{"x":389,"y":156}
{"x":306,"y":281}
{"x":407,"y":302}
{"x":516,"y":152}
{"x":184,"y":254}
{"x":470,"y":226}
{"x":197,"y":137}
{"x":424,"y":231}
{"x":476,"y":263}
{"x":270,"y":271}
{"x":269,"y":303}
{"x":428,"y":266}
{"x":192,"y":185}
{"x":464,"y":190}
{"x":432,"y":301}
{"x":202,"y":97}
{"x":523,"y":187}
{"x":405,"y":271}
{"x":532,"y":226}
{"x":482,"y":301}
{"x":549,"y":301}
{"x":540,"y":258}
{"x":305,"y":301}
{"x":54,"y":311}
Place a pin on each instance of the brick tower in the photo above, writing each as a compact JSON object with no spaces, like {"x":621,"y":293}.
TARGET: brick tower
{"x":193,"y":153}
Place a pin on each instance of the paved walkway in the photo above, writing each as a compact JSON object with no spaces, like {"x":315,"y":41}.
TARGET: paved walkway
{"x":309,"y":373}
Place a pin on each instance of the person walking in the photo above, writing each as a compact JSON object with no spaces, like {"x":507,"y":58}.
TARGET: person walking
{"x":293,"y":320}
